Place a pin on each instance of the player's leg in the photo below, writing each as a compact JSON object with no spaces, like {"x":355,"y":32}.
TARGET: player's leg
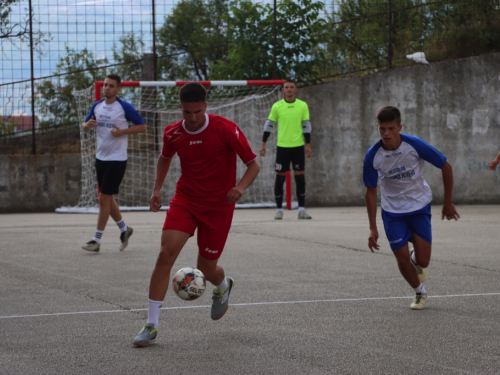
{"x":398,"y":232}
{"x":109,"y":177}
{"x":179,"y":225}
{"x":282,"y":166}
{"x":172,"y":242}
{"x":125,"y":230}
{"x":213,"y":230}
{"x":298,"y":164}
{"x":422,"y":241}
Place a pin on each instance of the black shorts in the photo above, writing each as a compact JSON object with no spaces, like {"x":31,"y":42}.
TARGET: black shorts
{"x":294,"y":155}
{"x":109,"y":175}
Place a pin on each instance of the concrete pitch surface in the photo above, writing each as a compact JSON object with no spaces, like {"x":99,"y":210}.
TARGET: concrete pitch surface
{"x":309,"y":298}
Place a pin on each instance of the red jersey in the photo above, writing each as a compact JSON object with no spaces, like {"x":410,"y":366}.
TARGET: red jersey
{"x":208,"y":159}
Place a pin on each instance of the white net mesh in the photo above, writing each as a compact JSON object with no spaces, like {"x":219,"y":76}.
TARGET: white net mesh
{"x":247,"y":106}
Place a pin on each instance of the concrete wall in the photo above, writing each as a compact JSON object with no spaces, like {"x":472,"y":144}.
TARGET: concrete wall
{"x":39,"y":183}
{"x":453,"y":105}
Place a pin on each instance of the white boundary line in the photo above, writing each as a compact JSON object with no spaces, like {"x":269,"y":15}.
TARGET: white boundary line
{"x":247,"y":304}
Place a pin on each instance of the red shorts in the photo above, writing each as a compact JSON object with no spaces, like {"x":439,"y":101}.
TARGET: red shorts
{"x":213,"y":225}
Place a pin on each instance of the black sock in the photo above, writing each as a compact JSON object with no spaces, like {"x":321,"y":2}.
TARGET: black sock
{"x":300,"y":183}
{"x":278,"y":190}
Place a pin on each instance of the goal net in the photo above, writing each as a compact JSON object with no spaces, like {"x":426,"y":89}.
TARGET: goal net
{"x":247,"y":103}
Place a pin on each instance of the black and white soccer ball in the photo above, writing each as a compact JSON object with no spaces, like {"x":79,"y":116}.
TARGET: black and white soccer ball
{"x":189,"y":283}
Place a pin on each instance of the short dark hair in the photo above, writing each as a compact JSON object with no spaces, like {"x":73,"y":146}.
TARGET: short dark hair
{"x":193,"y":92}
{"x":389,"y":114}
{"x":115,"y":77}
{"x":289,"y":80}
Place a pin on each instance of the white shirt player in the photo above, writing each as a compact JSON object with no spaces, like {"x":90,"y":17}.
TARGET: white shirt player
{"x":118,"y":113}
{"x":402,"y":185}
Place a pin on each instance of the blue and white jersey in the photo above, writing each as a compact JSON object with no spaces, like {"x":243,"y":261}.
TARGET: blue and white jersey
{"x":118,"y":113}
{"x":402,"y":185}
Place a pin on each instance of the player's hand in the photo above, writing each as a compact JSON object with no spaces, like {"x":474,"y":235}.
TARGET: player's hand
{"x":449,"y":212}
{"x":493,"y":164}
{"x":308,"y":150}
{"x":155,"y":201}
{"x":263,"y":149}
{"x":92,"y":123}
{"x":116,"y":131}
{"x":372,"y":241}
{"x":235,"y":194}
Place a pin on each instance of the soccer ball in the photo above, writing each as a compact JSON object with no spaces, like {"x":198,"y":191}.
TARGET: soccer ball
{"x":189,"y":283}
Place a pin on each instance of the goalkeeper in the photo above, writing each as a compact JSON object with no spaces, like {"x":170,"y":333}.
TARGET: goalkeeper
{"x":294,"y":130}
{"x":111,"y":117}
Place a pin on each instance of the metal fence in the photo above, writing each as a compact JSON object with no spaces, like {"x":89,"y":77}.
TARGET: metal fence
{"x":46,"y":44}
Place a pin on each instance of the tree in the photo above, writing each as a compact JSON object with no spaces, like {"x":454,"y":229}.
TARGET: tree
{"x":129,"y":54}
{"x":19,"y":29}
{"x":300,"y":37}
{"x":55,"y":101}
{"x":192,"y":37}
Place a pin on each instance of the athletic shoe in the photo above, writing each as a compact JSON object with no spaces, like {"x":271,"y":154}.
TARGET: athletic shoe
{"x":221,"y":300}
{"x":124,"y":236}
{"x":304,"y":216}
{"x":146,"y":335}
{"x":92,"y":246}
{"x":279,"y":215}
{"x":419,"y":301}
{"x":422,"y":272}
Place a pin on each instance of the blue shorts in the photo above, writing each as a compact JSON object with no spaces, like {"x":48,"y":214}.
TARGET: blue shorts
{"x":399,"y":227}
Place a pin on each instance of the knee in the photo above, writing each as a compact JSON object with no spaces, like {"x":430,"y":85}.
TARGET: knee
{"x":104,"y":199}
{"x":165,"y":259}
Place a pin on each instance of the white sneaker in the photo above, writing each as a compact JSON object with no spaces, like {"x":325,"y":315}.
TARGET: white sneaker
{"x":419,"y":301}
{"x":304,"y":216}
{"x":279,"y":215}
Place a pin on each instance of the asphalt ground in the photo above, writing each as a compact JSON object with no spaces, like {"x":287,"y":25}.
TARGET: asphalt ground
{"x":309,"y":298}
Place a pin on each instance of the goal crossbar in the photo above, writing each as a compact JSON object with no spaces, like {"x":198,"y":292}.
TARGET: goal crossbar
{"x":271,"y":82}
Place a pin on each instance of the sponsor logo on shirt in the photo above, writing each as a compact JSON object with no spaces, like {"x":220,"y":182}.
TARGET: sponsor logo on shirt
{"x":393,"y":154}
{"x":195,"y":142}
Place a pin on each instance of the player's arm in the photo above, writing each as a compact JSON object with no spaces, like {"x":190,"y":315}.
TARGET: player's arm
{"x":91,"y":123}
{"x":371,"y":206}
{"x":494,"y":163}
{"x":162,"y":167}
{"x":306,"y":129}
{"x":248,"y":178}
{"x":268,"y":129}
{"x":449,"y":210}
{"x":116,"y":131}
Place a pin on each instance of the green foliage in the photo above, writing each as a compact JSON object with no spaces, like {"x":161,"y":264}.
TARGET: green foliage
{"x":300,"y":34}
{"x":192,"y":37}
{"x":443,"y":30}
{"x":129,"y":53}
{"x":55,"y":100}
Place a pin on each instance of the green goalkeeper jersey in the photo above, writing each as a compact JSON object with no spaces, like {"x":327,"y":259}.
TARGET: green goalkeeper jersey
{"x":289,"y":117}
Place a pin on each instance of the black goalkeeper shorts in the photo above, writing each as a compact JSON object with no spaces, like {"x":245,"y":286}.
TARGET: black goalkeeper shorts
{"x":294,"y":155}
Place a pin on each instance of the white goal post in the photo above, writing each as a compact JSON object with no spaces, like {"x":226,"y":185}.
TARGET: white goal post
{"x":247,"y":103}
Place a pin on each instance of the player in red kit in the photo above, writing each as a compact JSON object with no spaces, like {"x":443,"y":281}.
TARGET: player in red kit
{"x":205,"y":196}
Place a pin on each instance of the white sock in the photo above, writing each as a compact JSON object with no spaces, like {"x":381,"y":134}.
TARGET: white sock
{"x":154,"y":309}
{"x":301,"y":209}
{"x":279,"y":210}
{"x":420,"y":289}
{"x":121,"y":224}
{"x":98,"y":236}
{"x":222,"y":286}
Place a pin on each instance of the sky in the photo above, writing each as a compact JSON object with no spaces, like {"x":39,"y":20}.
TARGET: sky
{"x":78,"y":24}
